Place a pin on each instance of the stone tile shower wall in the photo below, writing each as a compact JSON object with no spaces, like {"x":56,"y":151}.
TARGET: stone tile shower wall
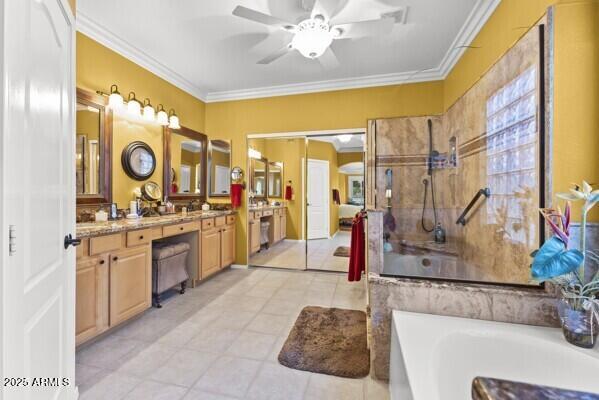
{"x":496,"y":127}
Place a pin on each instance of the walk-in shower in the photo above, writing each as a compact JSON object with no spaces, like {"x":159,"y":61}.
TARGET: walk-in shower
{"x":463,"y":188}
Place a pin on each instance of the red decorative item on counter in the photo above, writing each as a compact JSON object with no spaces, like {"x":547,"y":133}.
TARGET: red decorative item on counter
{"x":236,"y":190}
{"x":357,"y":252}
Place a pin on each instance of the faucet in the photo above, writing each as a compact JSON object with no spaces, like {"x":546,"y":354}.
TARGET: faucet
{"x":191,"y":206}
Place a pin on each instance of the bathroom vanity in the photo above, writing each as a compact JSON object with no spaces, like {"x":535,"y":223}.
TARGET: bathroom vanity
{"x":114,"y":263}
{"x":277,"y":231}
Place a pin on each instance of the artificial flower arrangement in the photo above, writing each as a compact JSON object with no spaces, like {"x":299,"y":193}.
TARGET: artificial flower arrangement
{"x":570,"y":270}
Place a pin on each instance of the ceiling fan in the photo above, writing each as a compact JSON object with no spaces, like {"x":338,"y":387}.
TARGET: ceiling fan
{"x":313,"y":36}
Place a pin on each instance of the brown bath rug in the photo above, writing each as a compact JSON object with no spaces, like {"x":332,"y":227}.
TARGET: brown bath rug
{"x":342,"y":251}
{"x":328,"y":341}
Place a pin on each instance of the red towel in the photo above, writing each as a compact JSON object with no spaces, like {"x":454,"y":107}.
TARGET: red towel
{"x":357,"y":253}
{"x":336,"y":197}
{"x":236,"y":189}
{"x":288,"y":193}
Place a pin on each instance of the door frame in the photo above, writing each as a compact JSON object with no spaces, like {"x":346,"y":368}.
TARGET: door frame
{"x":326,"y":196}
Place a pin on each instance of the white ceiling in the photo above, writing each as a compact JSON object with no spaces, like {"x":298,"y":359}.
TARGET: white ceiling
{"x":355,"y":144}
{"x":203,"y":49}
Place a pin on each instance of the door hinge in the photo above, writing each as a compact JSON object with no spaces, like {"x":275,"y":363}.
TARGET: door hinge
{"x":12,"y":240}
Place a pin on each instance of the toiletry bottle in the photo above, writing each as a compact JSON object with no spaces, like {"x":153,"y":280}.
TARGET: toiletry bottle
{"x":439,"y":234}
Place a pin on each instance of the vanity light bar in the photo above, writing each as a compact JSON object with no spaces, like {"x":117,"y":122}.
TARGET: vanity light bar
{"x":134,"y":108}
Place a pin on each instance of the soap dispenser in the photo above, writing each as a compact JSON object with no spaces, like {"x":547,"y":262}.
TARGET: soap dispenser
{"x":439,"y":234}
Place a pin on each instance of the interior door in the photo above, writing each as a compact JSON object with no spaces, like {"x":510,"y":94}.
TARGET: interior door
{"x":318,"y":199}
{"x":38,"y":198}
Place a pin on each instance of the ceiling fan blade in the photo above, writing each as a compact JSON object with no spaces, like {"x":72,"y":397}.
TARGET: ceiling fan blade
{"x":328,"y":59}
{"x":373,"y":27}
{"x":276,"y":55}
{"x":262,"y":18}
{"x":326,"y":8}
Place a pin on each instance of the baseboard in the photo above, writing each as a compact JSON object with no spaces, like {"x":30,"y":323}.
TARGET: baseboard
{"x":334,"y":234}
{"x":239,"y":266}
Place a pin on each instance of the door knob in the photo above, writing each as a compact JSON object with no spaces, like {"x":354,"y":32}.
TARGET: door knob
{"x":69,"y":240}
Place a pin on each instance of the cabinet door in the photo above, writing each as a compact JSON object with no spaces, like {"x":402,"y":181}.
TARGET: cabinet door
{"x":91,"y":302}
{"x":130,"y":283}
{"x":211,"y":250}
{"x":227,"y":246}
{"x":254,"y":236}
{"x":276,"y":228}
{"x":283,"y":225}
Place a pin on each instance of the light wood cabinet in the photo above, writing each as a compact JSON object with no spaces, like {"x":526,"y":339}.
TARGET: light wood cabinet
{"x":91,"y":302}
{"x":130,"y":283}
{"x":283,"y":224}
{"x":254,"y":235}
{"x":227,"y":246}
{"x":211,"y":254}
{"x":275,"y":235}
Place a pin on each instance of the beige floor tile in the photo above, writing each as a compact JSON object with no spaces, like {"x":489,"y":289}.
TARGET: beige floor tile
{"x":108,"y":352}
{"x":268,"y":323}
{"x":180,"y":335}
{"x":252,"y":345}
{"x":113,"y":386}
{"x":149,"y":390}
{"x":85,"y":373}
{"x":276,"y":349}
{"x":275,"y":382}
{"x":184,"y":368}
{"x":202,"y":395}
{"x":324,"y":387}
{"x":282,"y":307}
{"x":230,"y":376}
{"x":214,"y":339}
{"x":375,"y":390}
{"x":234,"y":319}
{"x":147,"y":360}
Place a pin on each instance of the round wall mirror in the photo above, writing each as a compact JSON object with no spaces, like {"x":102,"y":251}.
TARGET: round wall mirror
{"x":236,"y":174}
{"x":151,"y":191}
{"x":138,"y":161}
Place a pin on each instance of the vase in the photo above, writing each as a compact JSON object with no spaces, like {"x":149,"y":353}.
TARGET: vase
{"x":579,"y":326}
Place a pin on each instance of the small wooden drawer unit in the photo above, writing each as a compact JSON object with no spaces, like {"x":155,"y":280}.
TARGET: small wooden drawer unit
{"x":267,"y":213}
{"x":104,"y":244}
{"x":257,"y":214}
{"x":136,"y":238}
{"x":207,"y":223}
{"x":172,"y":230}
{"x":230,"y":219}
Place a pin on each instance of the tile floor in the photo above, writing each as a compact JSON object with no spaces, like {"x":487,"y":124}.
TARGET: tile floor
{"x":292,"y":254}
{"x":220,"y":341}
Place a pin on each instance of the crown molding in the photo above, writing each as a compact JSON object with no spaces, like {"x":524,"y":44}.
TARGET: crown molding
{"x":103,"y":36}
{"x":478,"y":17}
{"x":326,"y":86}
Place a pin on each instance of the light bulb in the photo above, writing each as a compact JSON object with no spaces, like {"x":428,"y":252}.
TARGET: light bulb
{"x":133,"y":106}
{"x":115,"y":100}
{"x":149,"y":112}
{"x":312,"y":38}
{"x":162,"y":118}
{"x":173,"y":120}
{"x":344,"y":138}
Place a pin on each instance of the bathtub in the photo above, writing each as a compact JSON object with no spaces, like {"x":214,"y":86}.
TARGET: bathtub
{"x":436,"y":357}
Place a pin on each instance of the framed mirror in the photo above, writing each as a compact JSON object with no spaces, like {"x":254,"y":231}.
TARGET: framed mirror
{"x":275,"y":179}
{"x":259,"y":183}
{"x":185,"y":160}
{"x":219,"y":168}
{"x":139,"y":160}
{"x":93,"y":148}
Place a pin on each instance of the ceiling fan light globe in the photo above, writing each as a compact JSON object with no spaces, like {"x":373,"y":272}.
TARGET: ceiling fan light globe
{"x":312,"y":38}
{"x":344,"y":138}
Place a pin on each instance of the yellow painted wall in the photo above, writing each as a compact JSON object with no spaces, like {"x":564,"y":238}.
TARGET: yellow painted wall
{"x":326,"y":151}
{"x":346,"y":158}
{"x":98,"y":68}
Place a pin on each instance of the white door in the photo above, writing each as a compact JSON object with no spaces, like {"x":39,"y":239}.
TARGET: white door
{"x":318,"y":199}
{"x":37,"y":183}
{"x":185,"y":173}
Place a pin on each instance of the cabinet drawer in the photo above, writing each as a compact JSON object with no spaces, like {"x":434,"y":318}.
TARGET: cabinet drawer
{"x":220,"y":221}
{"x":267,"y":213}
{"x":104,"y":244}
{"x":83,"y":248}
{"x":172,"y":230}
{"x":207,"y":223}
{"x":230,"y":219}
{"x":136,"y":238}
{"x":277,"y":212}
{"x":257,"y":214}
{"x":157,"y":233}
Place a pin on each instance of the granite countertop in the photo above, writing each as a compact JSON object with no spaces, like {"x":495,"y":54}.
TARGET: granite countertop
{"x":89,"y":229}
{"x":268,"y":207}
{"x":498,"y":389}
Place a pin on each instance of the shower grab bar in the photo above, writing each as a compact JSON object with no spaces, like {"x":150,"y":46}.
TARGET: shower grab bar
{"x":482,"y":192}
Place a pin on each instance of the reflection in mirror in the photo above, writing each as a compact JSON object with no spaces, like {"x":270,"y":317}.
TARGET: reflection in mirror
{"x":92,"y":148}
{"x":185,"y":169}
{"x":219,"y":159}
{"x":259,"y":177}
{"x":275,"y":179}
